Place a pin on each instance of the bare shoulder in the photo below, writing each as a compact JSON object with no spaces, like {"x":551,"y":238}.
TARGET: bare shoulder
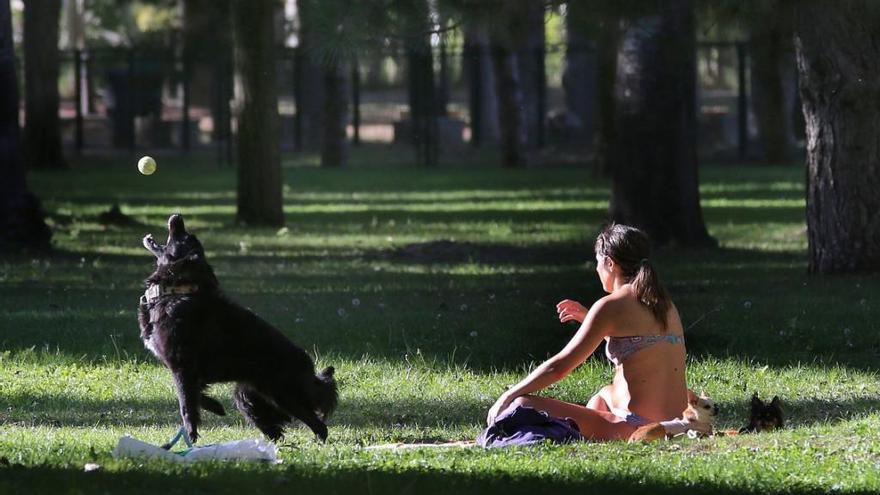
{"x":673,"y":319}
{"x":610,"y":306}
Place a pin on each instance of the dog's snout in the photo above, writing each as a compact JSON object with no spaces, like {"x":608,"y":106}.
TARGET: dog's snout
{"x":175,"y":223}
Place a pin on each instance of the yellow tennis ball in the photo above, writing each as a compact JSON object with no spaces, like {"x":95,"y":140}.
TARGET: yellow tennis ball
{"x":147,"y":165}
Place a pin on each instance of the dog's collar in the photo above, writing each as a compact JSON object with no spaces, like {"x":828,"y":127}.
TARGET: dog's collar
{"x":155,"y":291}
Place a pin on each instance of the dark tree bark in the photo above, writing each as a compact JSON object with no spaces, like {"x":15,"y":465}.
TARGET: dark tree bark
{"x":207,"y":35}
{"x":607,"y":43}
{"x":510,"y":107}
{"x":653,"y":155}
{"x":310,"y":102}
{"x":769,"y":44}
{"x":335,"y":147}
{"x":579,"y":77}
{"x":42,"y":133}
{"x":481,"y":82}
{"x":838,"y":46}
{"x":22,"y":221}
{"x":422,"y":100}
{"x":422,"y":90}
{"x":256,"y":106}
{"x":533,"y":80}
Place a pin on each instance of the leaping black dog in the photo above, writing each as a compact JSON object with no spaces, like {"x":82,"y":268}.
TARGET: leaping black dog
{"x":204,"y":338}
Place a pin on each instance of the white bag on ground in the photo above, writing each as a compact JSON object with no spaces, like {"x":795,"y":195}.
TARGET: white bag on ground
{"x":251,"y":450}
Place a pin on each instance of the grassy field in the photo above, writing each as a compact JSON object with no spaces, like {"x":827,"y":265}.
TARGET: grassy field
{"x":425,"y":337}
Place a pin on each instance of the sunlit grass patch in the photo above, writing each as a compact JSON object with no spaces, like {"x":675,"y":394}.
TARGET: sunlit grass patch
{"x":431,"y":291}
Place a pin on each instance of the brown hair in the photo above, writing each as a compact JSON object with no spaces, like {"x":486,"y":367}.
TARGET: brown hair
{"x":630,"y":248}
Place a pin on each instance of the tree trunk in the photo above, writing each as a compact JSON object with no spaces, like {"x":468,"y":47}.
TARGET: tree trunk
{"x":334,"y":147}
{"x":22,"y":221}
{"x":42,"y":133}
{"x":653,"y":155}
{"x":579,"y":77}
{"x":423,"y":103}
{"x":481,"y":82}
{"x":532,"y":77}
{"x":208,"y":48}
{"x":607,"y":43}
{"x":422,"y":100}
{"x":510,"y":109}
{"x":767,"y":47}
{"x":310,"y":103}
{"x":838,"y":46}
{"x":256,"y":105}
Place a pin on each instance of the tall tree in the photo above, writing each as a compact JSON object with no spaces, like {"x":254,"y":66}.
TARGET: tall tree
{"x":508,"y":35}
{"x":769,"y":45}
{"x":838,"y":46}
{"x":653,"y":154}
{"x":42,"y":132}
{"x":207,"y":38}
{"x":579,"y":76}
{"x":422,"y":91}
{"x":21,"y":218}
{"x":334,"y":144}
{"x":481,"y":86}
{"x":310,"y":77}
{"x":607,"y":42}
{"x":510,"y":106}
{"x":256,"y":107}
{"x":533,"y":79}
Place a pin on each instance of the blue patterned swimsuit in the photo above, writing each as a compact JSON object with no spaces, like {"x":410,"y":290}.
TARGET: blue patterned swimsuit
{"x":618,"y":349}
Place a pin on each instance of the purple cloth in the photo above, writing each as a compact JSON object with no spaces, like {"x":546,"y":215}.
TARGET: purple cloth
{"x":522,"y":425}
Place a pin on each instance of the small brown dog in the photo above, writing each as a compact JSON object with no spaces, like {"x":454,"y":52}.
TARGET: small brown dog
{"x":697,"y":417}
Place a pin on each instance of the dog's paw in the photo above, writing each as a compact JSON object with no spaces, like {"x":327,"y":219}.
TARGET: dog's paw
{"x":321,"y":434}
{"x":193,"y":433}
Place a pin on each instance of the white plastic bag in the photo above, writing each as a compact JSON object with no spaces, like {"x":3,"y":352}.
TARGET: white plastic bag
{"x":251,"y":450}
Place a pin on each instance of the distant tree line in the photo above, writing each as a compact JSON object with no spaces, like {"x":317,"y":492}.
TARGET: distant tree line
{"x":646,"y":123}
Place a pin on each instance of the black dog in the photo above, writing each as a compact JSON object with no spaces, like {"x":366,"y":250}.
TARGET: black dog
{"x":205,"y":338}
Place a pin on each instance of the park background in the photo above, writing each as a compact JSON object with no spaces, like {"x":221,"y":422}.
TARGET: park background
{"x":407,"y":188}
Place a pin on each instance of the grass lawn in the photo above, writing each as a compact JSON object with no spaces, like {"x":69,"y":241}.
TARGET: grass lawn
{"x":424,"y":340}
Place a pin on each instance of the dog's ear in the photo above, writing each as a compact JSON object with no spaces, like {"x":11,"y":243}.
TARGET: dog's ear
{"x":756,"y":401}
{"x":776,"y":402}
{"x":692,"y":397}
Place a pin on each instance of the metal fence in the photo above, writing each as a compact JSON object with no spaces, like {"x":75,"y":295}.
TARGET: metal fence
{"x":129,"y":99}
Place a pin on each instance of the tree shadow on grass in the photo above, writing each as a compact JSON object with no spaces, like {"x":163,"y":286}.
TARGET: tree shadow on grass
{"x":298,"y":478}
{"x":59,"y":411}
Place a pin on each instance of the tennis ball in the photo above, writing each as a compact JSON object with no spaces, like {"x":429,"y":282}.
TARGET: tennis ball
{"x":147,"y":165}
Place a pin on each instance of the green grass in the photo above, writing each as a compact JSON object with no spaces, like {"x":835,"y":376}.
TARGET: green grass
{"x":422,"y":348}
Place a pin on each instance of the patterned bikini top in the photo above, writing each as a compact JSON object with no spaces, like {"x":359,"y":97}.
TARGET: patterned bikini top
{"x":619,"y":348}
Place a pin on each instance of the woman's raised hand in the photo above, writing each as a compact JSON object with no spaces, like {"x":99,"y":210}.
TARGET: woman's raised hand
{"x":569,"y":310}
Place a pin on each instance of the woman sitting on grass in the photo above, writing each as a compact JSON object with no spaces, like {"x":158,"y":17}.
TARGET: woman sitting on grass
{"x":643,"y":333}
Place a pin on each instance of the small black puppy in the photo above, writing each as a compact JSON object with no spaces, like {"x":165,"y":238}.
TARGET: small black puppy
{"x":204,"y":338}
{"x":764,"y":416}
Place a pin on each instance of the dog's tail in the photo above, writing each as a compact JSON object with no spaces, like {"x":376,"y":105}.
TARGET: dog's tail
{"x":324,"y":392}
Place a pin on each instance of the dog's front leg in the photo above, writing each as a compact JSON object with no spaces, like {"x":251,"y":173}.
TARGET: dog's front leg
{"x":188,"y":392}
{"x":152,"y":246}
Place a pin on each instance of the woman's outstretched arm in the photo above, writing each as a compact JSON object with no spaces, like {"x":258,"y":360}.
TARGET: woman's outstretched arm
{"x":596,"y":326}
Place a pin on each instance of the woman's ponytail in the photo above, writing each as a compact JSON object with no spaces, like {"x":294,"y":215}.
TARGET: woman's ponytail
{"x":631,"y":248}
{"x":650,"y":291}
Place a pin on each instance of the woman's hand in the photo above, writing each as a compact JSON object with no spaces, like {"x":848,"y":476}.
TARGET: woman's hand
{"x":569,"y":310}
{"x":500,"y":405}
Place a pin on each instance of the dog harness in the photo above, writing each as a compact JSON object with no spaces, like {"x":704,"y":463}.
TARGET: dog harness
{"x":155,"y":291}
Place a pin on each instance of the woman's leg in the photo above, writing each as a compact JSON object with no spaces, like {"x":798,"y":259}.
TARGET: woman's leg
{"x":600,"y":401}
{"x":595,"y":425}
